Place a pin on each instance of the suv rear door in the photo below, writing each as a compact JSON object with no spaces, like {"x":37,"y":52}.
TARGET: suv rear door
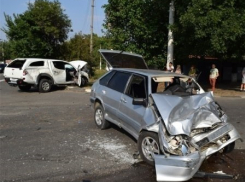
{"x":14,"y":70}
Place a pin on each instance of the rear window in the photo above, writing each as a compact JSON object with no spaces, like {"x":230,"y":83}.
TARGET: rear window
{"x":37,"y":63}
{"x":104,"y":81}
{"x":17,"y":64}
{"x":118,"y":81}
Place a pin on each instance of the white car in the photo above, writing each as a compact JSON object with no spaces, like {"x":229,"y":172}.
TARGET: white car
{"x":44,"y":73}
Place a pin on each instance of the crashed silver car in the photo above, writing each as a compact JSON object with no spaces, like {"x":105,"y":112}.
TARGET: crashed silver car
{"x":176,"y":127}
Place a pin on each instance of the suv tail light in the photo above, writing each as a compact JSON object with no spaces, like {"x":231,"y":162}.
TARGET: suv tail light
{"x":25,"y":72}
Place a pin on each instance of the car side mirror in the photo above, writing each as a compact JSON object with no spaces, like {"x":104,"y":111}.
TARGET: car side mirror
{"x":140,"y":101}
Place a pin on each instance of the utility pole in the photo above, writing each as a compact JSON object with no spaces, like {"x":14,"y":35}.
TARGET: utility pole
{"x":91,"y":28}
{"x":170,"y":53}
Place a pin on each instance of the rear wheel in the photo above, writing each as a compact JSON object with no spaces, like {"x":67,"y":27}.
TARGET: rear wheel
{"x":25,"y":87}
{"x":148,"y":144}
{"x":45,"y":85}
{"x":99,"y":117}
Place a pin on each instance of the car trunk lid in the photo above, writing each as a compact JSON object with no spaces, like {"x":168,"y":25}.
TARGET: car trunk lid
{"x":121,"y":59}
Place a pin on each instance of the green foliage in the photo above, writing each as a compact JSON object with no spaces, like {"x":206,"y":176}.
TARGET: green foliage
{"x":98,"y":73}
{"x":138,"y":26}
{"x":202,"y":27}
{"x":78,"y":48}
{"x":39,"y":31}
{"x":5,"y":52}
{"x":207,"y":27}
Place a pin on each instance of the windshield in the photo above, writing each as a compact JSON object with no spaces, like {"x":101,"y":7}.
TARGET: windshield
{"x":181,"y":86}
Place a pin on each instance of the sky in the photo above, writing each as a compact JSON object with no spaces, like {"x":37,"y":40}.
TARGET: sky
{"x":78,"y":11}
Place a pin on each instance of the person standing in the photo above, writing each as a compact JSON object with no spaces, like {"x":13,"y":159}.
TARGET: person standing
{"x":243,"y":80}
{"x":193,"y":72}
{"x":178,"y":69}
{"x":170,"y":67}
{"x":214,"y":73}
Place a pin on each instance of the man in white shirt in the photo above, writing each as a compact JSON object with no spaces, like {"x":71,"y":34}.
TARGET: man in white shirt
{"x":214,"y":73}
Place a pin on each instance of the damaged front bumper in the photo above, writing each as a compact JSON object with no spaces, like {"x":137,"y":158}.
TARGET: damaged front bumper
{"x":182,"y":168}
{"x":177,"y":168}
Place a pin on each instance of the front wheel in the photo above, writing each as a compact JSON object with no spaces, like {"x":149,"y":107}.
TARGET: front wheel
{"x":45,"y":85}
{"x":25,"y":88}
{"x":99,"y":117}
{"x":148,"y":144}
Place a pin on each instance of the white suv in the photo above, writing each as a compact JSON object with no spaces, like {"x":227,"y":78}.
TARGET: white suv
{"x":27,"y":72}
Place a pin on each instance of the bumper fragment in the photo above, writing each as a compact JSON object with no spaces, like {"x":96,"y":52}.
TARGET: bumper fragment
{"x":177,"y":168}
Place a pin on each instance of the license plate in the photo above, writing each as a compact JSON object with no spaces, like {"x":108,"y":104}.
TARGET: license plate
{"x":13,"y":79}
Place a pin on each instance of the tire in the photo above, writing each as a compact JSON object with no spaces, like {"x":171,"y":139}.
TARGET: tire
{"x":25,"y":88}
{"x":45,"y":85}
{"x":99,"y":117}
{"x":229,"y":148}
{"x":148,"y":142}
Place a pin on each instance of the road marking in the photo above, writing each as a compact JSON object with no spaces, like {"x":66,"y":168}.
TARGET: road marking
{"x":1,"y":80}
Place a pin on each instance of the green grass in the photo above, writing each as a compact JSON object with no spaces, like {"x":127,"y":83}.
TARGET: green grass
{"x":97,"y":74}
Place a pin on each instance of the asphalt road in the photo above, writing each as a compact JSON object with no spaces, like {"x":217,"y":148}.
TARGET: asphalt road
{"x":52,"y":137}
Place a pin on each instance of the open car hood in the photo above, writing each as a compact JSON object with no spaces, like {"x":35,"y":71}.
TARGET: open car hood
{"x":182,"y":114}
{"x":78,"y":63}
{"x":121,"y":59}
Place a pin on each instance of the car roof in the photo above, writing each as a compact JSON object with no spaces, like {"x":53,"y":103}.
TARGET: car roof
{"x":151,"y":72}
{"x":37,"y":59}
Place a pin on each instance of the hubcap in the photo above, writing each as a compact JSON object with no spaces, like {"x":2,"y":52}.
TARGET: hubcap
{"x":45,"y":86}
{"x":98,"y":117}
{"x":150,"y":147}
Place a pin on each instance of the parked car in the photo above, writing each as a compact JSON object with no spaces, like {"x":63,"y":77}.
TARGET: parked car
{"x":176,"y":127}
{"x":44,"y":73}
{"x":82,"y":72}
{"x":2,"y":67}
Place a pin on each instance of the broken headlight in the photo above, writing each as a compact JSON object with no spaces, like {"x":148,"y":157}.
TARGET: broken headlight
{"x":179,"y":145}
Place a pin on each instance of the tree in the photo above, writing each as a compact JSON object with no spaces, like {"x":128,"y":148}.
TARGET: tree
{"x":139,"y":26}
{"x":78,"y":48}
{"x":202,"y":27}
{"x":39,"y":31}
{"x":5,"y":53}
{"x":214,"y":28}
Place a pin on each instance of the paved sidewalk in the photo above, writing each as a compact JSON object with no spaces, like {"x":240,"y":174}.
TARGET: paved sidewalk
{"x":226,"y":90}
{"x":222,"y":89}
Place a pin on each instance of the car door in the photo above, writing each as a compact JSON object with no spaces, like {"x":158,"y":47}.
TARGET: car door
{"x":62,"y":72}
{"x":131,"y":116}
{"x":111,"y":95}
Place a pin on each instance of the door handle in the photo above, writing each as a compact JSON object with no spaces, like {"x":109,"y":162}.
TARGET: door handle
{"x":123,"y":100}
